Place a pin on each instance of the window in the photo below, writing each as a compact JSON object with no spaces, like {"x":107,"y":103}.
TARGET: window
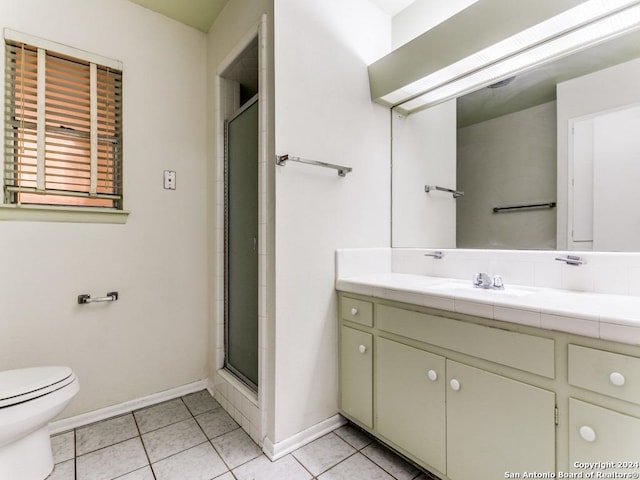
{"x":63,"y":126}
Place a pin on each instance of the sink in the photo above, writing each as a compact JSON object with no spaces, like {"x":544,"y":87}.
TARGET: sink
{"x":465,"y":286}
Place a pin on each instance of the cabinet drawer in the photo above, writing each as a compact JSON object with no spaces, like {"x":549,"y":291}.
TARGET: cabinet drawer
{"x":358,"y":311}
{"x":518,"y":350}
{"x":604,"y":372}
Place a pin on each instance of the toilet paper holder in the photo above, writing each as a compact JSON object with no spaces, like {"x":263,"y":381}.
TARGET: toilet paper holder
{"x":86,"y":298}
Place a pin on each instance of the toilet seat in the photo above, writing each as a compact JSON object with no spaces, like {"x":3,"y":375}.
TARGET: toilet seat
{"x":17,"y":386}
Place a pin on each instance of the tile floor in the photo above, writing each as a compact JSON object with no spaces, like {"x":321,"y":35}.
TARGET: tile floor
{"x":193,"y":438}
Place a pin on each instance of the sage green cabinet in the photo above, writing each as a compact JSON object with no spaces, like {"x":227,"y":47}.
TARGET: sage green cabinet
{"x":597,"y":434}
{"x":461,"y":420}
{"x":356,"y":375}
{"x":410,"y":400}
{"x":496,"y":425}
{"x":470,"y":398}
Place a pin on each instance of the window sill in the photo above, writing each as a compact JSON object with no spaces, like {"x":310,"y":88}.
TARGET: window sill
{"x":44,"y":213}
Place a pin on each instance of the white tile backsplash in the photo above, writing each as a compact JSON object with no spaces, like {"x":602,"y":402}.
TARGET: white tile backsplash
{"x":615,"y":273}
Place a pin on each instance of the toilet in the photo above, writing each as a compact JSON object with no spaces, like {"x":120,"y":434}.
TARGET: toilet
{"x":29,"y":399}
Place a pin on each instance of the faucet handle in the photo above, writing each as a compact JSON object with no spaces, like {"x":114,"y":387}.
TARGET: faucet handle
{"x":497,"y":282}
{"x":476,"y":279}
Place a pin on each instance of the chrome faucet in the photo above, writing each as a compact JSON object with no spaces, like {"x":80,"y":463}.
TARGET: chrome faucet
{"x":482,"y":280}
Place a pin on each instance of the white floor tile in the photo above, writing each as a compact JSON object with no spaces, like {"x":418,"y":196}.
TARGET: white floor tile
{"x":112,"y":462}
{"x":161,"y":415}
{"x":200,"y":402}
{"x":63,"y":471}
{"x":102,"y":434}
{"x":323,"y":453}
{"x":62,"y":447}
{"x":172,"y":439}
{"x":261,"y":468}
{"x":216,"y":423}
{"x":354,"y":437}
{"x":390,"y":462}
{"x":209,"y":445}
{"x":356,"y":467}
{"x":236,"y":448}
{"x":142,"y":474}
{"x":197,"y":463}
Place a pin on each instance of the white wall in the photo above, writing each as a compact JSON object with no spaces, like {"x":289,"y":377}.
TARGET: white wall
{"x":509,"y":160}
{"x":155,"y":336}
{"x":323,"y":111}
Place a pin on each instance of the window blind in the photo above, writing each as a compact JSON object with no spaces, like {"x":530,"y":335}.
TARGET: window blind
{"x":63,"y":129}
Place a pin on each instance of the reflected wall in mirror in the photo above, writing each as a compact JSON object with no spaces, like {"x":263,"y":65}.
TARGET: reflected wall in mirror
{"x":514,"y":145}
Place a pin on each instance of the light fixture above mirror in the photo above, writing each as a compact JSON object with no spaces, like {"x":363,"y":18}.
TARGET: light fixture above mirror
{"x":514,"y":36}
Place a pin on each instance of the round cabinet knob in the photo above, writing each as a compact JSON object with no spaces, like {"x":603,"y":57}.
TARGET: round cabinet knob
{"x":588,"y":434}
{"x":617,"y":379}
{"x":455,"y":385}
{"x":433,"y":376}
{"x":362,"y":349}
{"x":354,"y":311}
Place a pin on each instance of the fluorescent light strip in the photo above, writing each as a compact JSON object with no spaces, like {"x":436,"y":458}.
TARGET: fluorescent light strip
{"x":581,"y":15}
{"x":595,"y":32}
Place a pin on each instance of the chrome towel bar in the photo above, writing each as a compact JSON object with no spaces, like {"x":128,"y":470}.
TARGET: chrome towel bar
{"x":456,"y":193}
{"x":86,"y":298}
{"x":574,"y":260}
{"x":283,"y":159}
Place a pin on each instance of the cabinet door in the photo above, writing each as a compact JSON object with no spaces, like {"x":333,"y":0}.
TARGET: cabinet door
{"x":356,"y":375}
{"x":601,"y":435}
{"x":410,"y":408}
{"x":496,"y":425}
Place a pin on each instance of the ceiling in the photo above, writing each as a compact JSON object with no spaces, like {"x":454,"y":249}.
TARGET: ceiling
{"x":201,"y":14}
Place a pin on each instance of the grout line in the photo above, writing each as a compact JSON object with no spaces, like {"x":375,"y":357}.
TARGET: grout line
{"x":301,"y":464}
{"x":135,"y":420}
{"x":75,"y":457}
{"x":229,"y":470}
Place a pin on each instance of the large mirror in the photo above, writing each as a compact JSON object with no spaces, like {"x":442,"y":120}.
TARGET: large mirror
{"x":547,"y":159}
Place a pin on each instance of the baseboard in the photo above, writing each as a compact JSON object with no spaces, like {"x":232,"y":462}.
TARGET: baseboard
{"x":126,"y":407}
{"x":280,"y":449}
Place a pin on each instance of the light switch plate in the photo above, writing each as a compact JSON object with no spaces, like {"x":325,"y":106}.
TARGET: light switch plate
{"x":169,"y":180}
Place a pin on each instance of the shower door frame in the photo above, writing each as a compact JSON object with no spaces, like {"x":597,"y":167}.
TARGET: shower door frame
{"x":227,"y":364}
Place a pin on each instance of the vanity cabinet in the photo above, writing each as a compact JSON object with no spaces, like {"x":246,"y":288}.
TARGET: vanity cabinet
{"x":449,"y":416}
{"x":470,"y":398}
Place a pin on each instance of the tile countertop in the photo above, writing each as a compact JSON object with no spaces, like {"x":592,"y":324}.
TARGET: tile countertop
{"x":609,"y":317}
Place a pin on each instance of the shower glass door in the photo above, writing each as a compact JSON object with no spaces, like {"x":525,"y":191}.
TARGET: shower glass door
{"x":241,"y":244}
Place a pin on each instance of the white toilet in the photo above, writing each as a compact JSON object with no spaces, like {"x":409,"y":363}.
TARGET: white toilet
{"x":29,"y":399}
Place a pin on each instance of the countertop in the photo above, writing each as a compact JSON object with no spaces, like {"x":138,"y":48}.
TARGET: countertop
{"x":609,"y":317}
